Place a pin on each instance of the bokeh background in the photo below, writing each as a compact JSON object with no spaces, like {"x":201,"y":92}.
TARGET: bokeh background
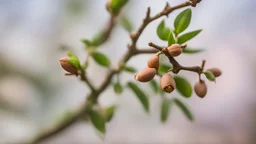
{"x":34,"y":90}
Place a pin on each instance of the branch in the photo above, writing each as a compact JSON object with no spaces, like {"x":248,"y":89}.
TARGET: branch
{"x":132,"y":51}
{"x":176,"y":66}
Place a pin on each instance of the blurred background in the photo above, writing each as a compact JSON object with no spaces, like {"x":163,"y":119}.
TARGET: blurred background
{"x":34,"y":90}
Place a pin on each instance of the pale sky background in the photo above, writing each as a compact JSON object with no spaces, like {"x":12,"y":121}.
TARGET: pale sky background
{"x":32,"y":30}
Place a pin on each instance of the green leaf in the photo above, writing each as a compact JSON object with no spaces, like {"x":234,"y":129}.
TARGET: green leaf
{"x":95,"y":41}
{"x":171,"y":39}
{"x":140,"y":95}
{"x":182,"y":21}
{"x":154,"y":85}
{"x":98,"y":120}
{"x":163,"y":68}
{"x":209,"y":75}
{"x":163,"y":32}
{"x":184,"y":109}
{"x":116,"y":5}
{"x":73,"y":60}
{"x":101,"y":59}
{"x":183,"y":86}
{"x":129,"y":69}
{"x":118,"y":88}
{"x":109,"y":112}
{"x":188,"y":36}
{"x":165,"y":110}
{"x":192,"y":51}
{"x":125,"y":22}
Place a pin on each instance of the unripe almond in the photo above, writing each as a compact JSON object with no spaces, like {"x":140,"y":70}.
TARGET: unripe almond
{"x":153,"y":62}
{"x":174,"y":50}
{"x":167,"y":83}
{"x":145,"y":74}
{"x":67,"y":67}
{"x":200,"y":88}
{"x":216,"y":72}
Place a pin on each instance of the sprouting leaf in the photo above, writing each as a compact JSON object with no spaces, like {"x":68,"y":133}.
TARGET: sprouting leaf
{"x":165,"y":110}
{"x":209,"y":75}
{"x":109,"y":112}
{"x":95,"y":41}
{"x":182,"y":21}
{"x":183,"y":86}
{"x":163,"y":68}
{"x":140,"y":95}
{"x":73,"y":60}
{"x":192,"y":51}
{"x":188,"y":36}
{"x":184,"y":109}
{"x":171,"y":39}
{"x":118,"y":88}
{"x":101,"y":59}
{"x":116,"y":5}
{"x":163,"y":32}
{"x":154,"y":85}
{"x":129,"y":69}
{"x":125,"y":22}
{"x":97,"y":120}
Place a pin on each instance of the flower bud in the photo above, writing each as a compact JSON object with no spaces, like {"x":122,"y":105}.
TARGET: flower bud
{"x":200,"y":89}
{"x":108,"y":5}
{"x":174,"y":50}
{"x":167,"y":83}
{"x":216,"y":72}
{"x":145,"y":74}
{"x":153,"y":62}
{"x":67,"y":67}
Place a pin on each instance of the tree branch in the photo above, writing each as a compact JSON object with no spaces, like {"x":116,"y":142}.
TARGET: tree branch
{"x":175,"y":64}
{"x":95,"y":93}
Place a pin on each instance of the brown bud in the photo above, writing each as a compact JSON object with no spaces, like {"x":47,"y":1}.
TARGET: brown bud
{"x":108,"y":5}
{"x":153,"y":62}
{"x":216,"y":72}
{"x":167,"y":83}
{"x":67,"y":67}
{"x":145,"y":74}
{"x":200,"y":89}
{"x":174,"y":50}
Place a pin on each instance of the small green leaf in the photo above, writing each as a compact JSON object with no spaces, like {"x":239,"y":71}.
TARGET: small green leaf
{"x":183,"y":86}
{"x":140,"y":95}
{"x":95,"y":41}
{"x":109,"y":112}
{"x":182,"y":21}
{"x":165,"y":110}
{"x":116,"y":5}
{"x":163,"y":68}
{"x":192,"y":51}
{"x":98,"y":120}
{"x":125,"y":22}
{"x":209,"y":75}
{"x":171,"y":39}
{"x":184,"y":109}
{"x":188,"y":36}
{"x":129,"y":69}
{"x":154,"y":85}
{"x":101,"y":59}
{"x":163,"y":32}
{"x":118,"y":88}
{"x":73,"y":60}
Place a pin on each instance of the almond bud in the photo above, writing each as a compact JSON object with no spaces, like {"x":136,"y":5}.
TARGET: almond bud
{"x":174,"y":50}
{"x":200,"y":89}
{"x":67,"y":67}
{"x":167,"y":83}
{"x":153,"y":62}
{"x":145,"y":74}
{"x":216,"y":72}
